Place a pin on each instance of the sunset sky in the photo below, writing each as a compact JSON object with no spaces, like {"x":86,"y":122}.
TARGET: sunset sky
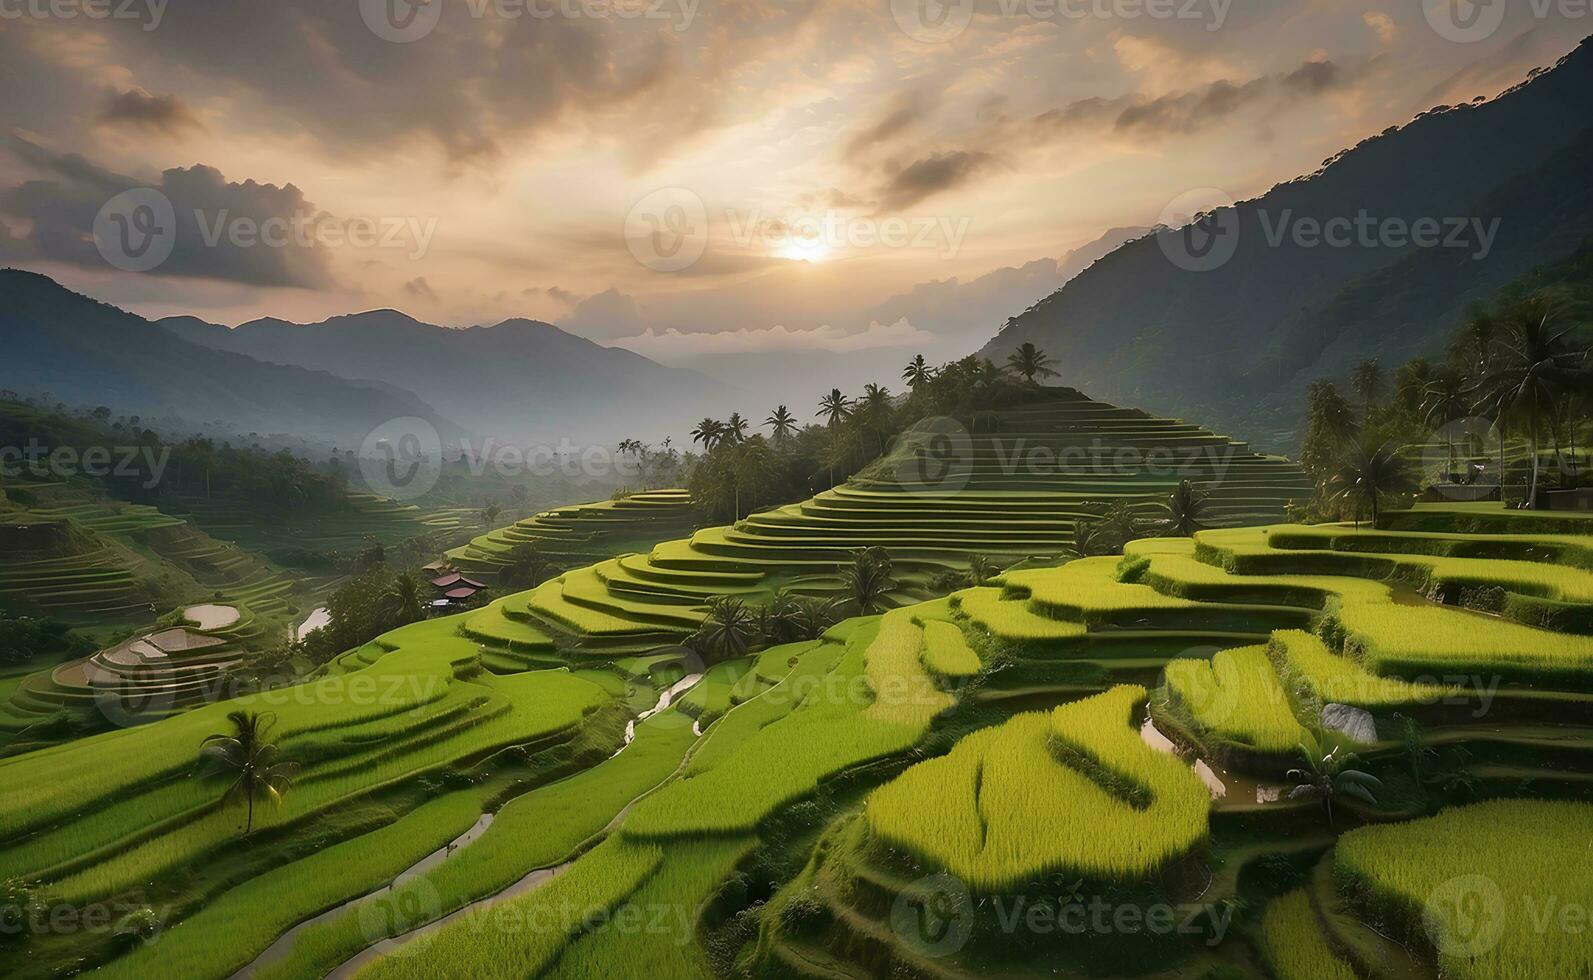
{"x":519,"y":156}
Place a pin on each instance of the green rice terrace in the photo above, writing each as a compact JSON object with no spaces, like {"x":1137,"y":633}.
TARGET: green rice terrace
{"x":1133,"y":765}
{"x":1007,"y":485}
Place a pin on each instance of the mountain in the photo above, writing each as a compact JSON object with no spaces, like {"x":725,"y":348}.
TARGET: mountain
{"x":1238,"y":343}
{"x":519,"y":379}
{"x":89,"y":353}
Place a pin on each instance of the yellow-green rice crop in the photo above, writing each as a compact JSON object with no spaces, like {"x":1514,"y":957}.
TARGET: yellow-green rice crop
{"x":1003,"y":807}
{"x":946,"y":650}
{"x":1429,"y":640}
{"x":1237,"y":696}
{"x":903,"y":692}
{"x":1010,"y":619}
{"x":1492,"y":886}
{"x":1086,"y":587}
{"x":1291,"y":938}
{"x":521,"y":937}
{"x":1307,"y":665}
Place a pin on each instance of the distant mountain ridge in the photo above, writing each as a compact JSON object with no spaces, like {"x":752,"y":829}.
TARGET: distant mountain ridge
{"x":518,"y":378}
{"x":90,"y":353}
{"x":1237,"y":345}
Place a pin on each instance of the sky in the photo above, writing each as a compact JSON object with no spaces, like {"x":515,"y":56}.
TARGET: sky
{"x":697,"y":180}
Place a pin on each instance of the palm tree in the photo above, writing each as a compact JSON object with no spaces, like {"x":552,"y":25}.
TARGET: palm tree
{"x":981,"y":570}
{"x":1368,"y":473}
{"x":1029,"y":362}
{"x":1443,"y":402}
{"x":727,"y":632}
{"x":876,"y":407}
{"x":752,"y":469}
{"x":1327,"y":773}
{"x":405,"y":599}
{"x":1186,"y":510}
{"x":1534,"y":368}
{"x":527,"y":566}
{"x":490,"y":514}
{"x":835,"y":408}
{"x":868,"y":578}
{"x":735,"y":429}
{"x":917,"y":372}
{"x":708,"y":432}
{"x":1367,"y":380}
{"x":250,"y":760}
{"x":783,"y":423}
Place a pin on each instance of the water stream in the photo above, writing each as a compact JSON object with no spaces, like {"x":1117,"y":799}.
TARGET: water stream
{"x":1224,"y":785}
{"x":284,"y":943}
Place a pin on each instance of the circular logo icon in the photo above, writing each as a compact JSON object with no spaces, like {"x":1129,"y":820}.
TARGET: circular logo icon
{"x":1198,"y":230}
{"x":136,"y":230}
{"x":932,"y":21}
{"x":684,"y":670}
{"x":935,"y":456}
{"x":1464,"y":21}
{"x":402,"y":458}
{"x":389,"y":917}
{"x":1211,"y":705}
{"x":123,"y":702}
{"x":667,"y":230}
{"x":401,"y":21}
{"x":1465,"y":916}
{"x":1460,"y":457}
{"x":934,"y":916}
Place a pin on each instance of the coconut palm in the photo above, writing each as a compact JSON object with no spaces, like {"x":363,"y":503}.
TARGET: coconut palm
{"x":735,"y":429}
{"x":783,"y":423}
{"x":835,"y":408}
{"x":868,"y":578}
{"x":1368,"y":473}
{"x":1367,"y":380}
{"x":917,"y":372}
{"x":1030,"y":362}
{"x":526,"y":567}
{"x":1534,"y":368}
{"x":1186,"y":510}
{"x":1327,"y":772}
{"x":728,"y":631}
{"x":752,"y":470}
{"x":405,"y":599}
{"x":708,"y":432}
{"x":1446,"y":400}
{"x":250,"y":760}
{"x":1329,"y":424}
{"x":875,"y":406}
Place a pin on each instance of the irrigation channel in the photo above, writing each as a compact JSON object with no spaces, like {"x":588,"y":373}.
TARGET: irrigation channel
{"x":535,"y":879}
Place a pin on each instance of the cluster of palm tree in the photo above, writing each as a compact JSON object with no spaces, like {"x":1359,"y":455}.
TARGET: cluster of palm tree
{"x":1521,"y":368}
{"x":739,"y":468}
{"x":734,"y":627}
{"x":1185,"y":511}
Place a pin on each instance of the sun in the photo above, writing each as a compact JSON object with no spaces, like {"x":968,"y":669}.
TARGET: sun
{"x":800,"y":249}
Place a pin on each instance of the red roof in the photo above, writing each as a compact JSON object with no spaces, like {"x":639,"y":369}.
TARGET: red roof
{"x":453,"y":579}
{"x":464,"y":593}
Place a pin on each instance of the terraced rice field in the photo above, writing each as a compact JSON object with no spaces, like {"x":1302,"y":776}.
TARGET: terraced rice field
{"x":1010,"y":489}
{"x":948,"y":790}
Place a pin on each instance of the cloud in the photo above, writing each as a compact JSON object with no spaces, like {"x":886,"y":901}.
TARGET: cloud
{"x":62,"y":204}
{"x":1312,"y":77}
{"x":1382,"y":25}
{"x":419,"y":288}
{"x":907,"y":111}
{"x":605,"y":316}
{"x":931,"y":175}
{"x":672,"y":343}
{"x":138,"y":109}
{"x":1190,"y":111}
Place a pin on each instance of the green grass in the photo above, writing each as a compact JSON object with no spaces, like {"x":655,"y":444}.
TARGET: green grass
{"x":1491,"y":881}
{"x":946,"y":651}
